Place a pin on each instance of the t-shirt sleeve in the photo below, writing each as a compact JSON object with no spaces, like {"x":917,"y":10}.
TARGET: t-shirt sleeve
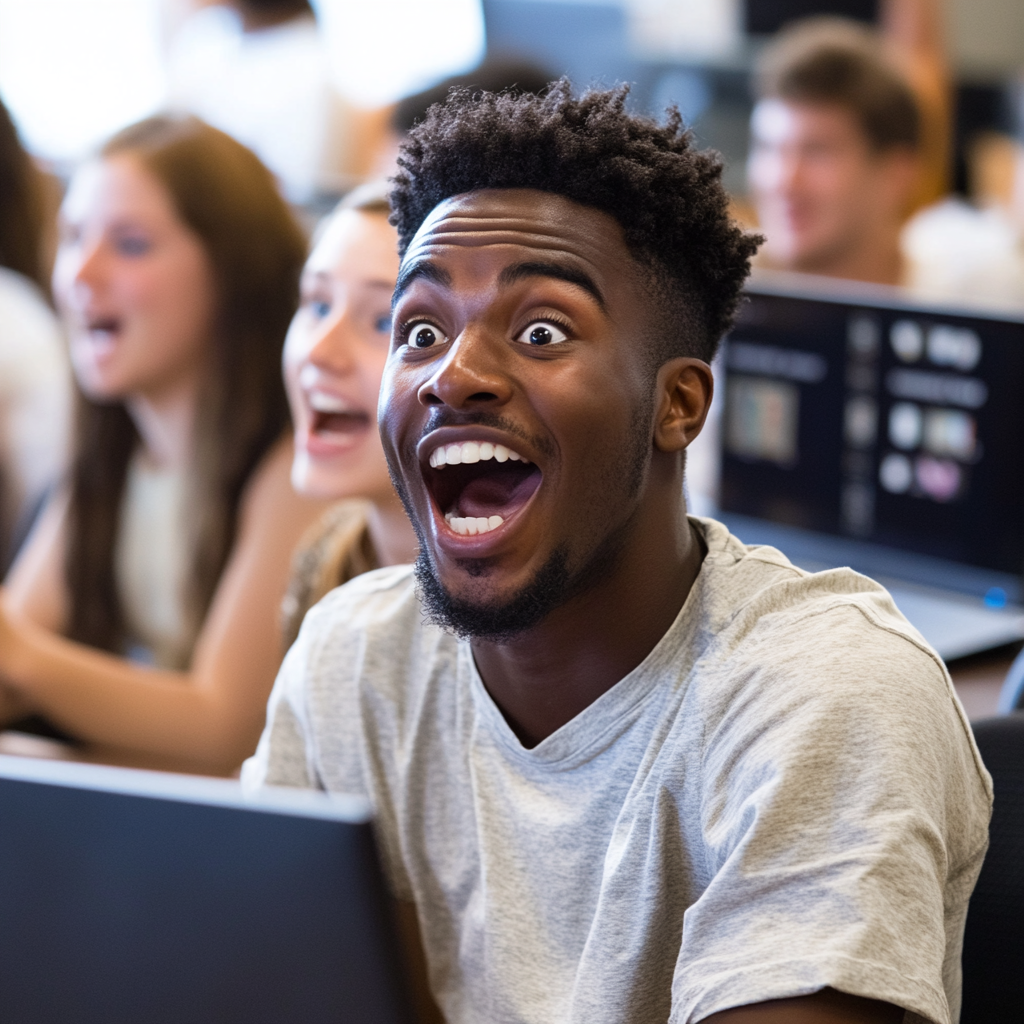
{"x":844,"y":815}
{"x":284,"y":755}
{"x":329,"y":715}
{"x":313,"y":734}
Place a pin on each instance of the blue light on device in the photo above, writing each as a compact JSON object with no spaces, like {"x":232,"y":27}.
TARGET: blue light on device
{"x":995,"y":597}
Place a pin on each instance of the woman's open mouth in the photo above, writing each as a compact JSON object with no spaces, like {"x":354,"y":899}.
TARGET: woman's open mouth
{"x":478,"y":485}
{"x":102,"y":332}
{"x":334,"y":418}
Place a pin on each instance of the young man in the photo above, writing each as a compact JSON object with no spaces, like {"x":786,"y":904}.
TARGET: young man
{"x":835,"y":154}
{"x":625,"y":768}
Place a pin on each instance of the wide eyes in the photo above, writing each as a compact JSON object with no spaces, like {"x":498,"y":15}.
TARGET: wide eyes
{"x":542,"y":332}
{"x":424,"y":335}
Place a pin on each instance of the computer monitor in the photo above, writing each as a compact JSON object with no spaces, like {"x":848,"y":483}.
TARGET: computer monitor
{"x":143,"y":896}
{"x":862,"y":415}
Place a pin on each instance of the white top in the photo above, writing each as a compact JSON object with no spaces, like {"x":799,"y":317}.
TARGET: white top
{"x":151,"y":563}
{"x":35,"y":399}
{"x":784,"y":795}
{"x":271,"y":89}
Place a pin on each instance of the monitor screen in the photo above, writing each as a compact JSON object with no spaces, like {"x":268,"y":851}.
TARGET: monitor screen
{"x":885,"y":422}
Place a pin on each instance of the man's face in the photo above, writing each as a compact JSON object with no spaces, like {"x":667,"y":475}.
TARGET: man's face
{"x":817,"y":184}
{"x":516,"y":405}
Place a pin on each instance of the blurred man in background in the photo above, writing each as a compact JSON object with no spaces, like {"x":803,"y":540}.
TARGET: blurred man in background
{"x":836,"y":153}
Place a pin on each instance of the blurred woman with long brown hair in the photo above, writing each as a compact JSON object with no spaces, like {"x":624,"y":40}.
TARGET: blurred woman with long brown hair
{"x":177,"y":274}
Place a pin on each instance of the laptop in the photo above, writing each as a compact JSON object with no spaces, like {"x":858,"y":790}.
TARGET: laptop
{"x":862,"y":428}
{"x":150,"y":897}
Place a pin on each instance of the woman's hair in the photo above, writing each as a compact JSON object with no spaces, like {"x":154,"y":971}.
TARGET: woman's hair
{"x":255,"y":249}
{"x":22,"y":208}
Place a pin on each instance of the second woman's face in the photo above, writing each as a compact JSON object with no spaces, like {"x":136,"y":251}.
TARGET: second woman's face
{"x":334,"y":358}
{"x":133,"y":282}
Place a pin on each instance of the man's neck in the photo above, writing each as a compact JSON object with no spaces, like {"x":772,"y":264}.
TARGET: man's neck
{"x":548,"y":675}
{"x":877,"y":261}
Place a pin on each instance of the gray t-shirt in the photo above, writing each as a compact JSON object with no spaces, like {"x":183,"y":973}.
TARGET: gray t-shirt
{"x":784,"y":795}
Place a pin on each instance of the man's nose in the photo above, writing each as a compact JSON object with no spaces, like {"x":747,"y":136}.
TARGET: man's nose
{"x":471,"y":374}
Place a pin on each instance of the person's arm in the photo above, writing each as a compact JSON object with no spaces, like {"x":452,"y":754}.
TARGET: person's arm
{"x":825,"y":1007}
{"x":206,"y":719}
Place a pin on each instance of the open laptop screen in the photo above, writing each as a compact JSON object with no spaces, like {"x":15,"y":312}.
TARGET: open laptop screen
{"x":145,"y":896}
{"x":878,"y":420}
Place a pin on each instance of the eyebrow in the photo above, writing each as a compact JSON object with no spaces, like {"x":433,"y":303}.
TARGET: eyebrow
{"x":422,"y":268}
{"x":558,"y":271}
{"x":509,"y":276}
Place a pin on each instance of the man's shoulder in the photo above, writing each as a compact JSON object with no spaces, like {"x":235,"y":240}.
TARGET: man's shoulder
{"x":795,"y":657}
{"x":761,"y":606}
{"x":381,"y":599}
{"x":371,"y":634}
{"x":756,"y":579}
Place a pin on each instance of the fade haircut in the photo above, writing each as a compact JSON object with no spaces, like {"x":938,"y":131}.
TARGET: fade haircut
{"x":838,"y":62}
{"x":666,"y":195}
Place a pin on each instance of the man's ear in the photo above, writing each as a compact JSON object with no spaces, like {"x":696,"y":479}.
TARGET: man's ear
{"x":684,"y":390}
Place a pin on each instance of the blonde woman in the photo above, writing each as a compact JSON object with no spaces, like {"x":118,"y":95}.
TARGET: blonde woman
{"x":334,"y":359}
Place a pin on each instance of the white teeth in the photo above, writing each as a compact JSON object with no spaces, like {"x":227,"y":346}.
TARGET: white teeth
{"x":470,"y":451}
{"x":320,"y":401}
{"x":469,"y":526}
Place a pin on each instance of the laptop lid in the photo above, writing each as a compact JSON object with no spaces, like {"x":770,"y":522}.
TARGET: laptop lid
{"x":151,"y":897}
{"x":876,"y":432}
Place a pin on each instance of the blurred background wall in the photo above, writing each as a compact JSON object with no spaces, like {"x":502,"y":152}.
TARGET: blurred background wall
{"x":72,"y":71}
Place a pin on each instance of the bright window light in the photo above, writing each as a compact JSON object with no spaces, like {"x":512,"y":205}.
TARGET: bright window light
{"x":74,"y":71}
{"x":382,"y":50}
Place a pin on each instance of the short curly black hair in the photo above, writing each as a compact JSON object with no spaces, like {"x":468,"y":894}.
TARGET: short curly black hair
{"x":666,"y":194}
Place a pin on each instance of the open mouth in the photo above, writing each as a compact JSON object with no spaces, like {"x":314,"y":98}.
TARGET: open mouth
{"x":103,"y":329}
{"x":477,"y":485}
{"x":331,"y":415}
